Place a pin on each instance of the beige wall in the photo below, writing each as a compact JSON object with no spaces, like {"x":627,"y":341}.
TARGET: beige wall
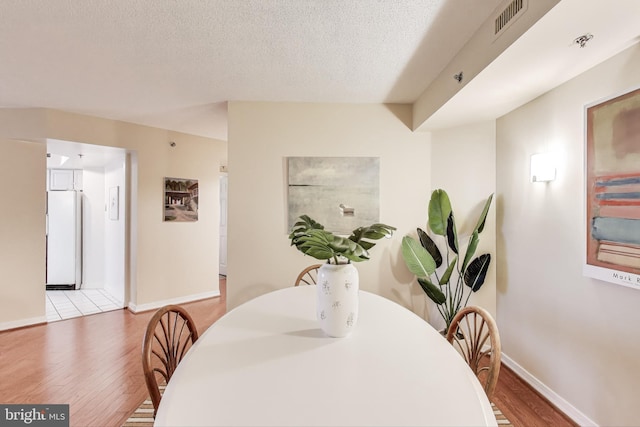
{"x":22,"y":233}
{"x":464,"y":165}
{"x":173,"y":261}
{"x":262,"y":135}
{"x":577,"y":337}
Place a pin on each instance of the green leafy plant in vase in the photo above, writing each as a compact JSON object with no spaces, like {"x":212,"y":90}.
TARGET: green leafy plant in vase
{"x":423,"y":258}
{"x":310,"y":238}
{"x":338,"y":280}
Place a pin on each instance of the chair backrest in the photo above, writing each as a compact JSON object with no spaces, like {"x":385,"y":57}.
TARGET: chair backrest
{"x":309,"y":275}
{"x":170,"y":334}
{"x":474,"y":333}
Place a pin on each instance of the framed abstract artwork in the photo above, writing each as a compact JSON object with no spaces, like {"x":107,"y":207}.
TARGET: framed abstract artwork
{"x":612,"y":172}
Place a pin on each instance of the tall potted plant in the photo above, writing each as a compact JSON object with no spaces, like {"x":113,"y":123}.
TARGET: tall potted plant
{"x":423,"y":258}
{"x":338,"y":281}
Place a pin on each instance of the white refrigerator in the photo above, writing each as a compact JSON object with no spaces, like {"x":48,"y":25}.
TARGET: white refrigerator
{"x":64,"y":239}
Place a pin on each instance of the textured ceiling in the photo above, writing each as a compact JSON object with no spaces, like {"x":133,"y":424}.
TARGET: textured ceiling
{"x":175,"y":64}
{"x":546,"y":56}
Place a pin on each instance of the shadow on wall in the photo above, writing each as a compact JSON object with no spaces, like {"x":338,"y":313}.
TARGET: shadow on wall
{"x":403,"y":112}
{"x":502,"y":277}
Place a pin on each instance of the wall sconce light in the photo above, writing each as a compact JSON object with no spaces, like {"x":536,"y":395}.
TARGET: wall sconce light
{"x":543,"y":167}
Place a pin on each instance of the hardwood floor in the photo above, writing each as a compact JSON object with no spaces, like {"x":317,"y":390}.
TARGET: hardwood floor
{"x":93,"y":364}
{"x":523,"y":406}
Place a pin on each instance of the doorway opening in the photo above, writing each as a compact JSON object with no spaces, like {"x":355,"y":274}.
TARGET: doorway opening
{"x":85,"y":262}
{"x":223,"y":225}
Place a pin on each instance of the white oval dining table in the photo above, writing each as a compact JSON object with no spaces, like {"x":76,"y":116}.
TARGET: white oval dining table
{"x":267,"y":363}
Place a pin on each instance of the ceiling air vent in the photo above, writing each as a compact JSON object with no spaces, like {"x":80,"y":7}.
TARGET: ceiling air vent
{"x":509,"y":14}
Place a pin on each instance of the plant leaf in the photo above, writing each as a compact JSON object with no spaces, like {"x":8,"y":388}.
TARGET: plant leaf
{"x":418,"y":260}
{"x":373,"y":232}
{"x":367,"y":245}
{"x":312,"y":239}
{"x":344,"y":247}
{"x":302,"y":226}
{"x":355,"y":258}
{"x":447,"y":273}
{"x":430,"y":246}
{"x":439,"y":210}
{"x":452,"y":233}
{"x":318,"y":253}
{"x":471,"y":249}
{"x":483,"y":215}
{"x":316,"y":243}
{"x":477,"y":271}
{"x":432,"y":291}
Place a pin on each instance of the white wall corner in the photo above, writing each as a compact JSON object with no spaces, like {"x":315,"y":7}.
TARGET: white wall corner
{"x":567,"y":408}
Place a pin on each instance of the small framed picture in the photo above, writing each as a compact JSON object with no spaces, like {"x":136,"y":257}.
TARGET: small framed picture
{"x":180,"y":200}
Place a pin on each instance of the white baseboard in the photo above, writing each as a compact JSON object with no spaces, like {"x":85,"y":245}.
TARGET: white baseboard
{"x":181,"y":300}
{"x":553,"y":397}
{"x":22,"y":323}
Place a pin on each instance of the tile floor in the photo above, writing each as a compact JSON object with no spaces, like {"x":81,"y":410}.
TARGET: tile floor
{"x":67,"y":304}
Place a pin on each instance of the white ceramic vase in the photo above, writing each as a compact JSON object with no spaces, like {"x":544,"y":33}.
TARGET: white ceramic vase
{"x":337,"y":301}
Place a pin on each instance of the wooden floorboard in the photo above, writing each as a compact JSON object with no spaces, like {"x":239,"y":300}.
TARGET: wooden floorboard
{"x":93,"y":363}
{"x":523,"y":406}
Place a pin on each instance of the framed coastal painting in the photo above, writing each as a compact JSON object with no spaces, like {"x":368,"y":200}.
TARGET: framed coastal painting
{"x":180,"y":200}
{"x":342,"y":193}
{"x":613,"y":189}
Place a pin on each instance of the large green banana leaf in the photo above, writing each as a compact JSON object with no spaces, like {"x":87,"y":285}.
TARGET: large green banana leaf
{"x":471,"y":249}
{"x":483,"y":216}
{"x":447,"y":274}
{"x":439,"y":210}
{"x":452,"y":233}
{"x":432,"y":291}
{"x":477,"y":271}
{"x":417,"y":258}
{"x":430,"y":246}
